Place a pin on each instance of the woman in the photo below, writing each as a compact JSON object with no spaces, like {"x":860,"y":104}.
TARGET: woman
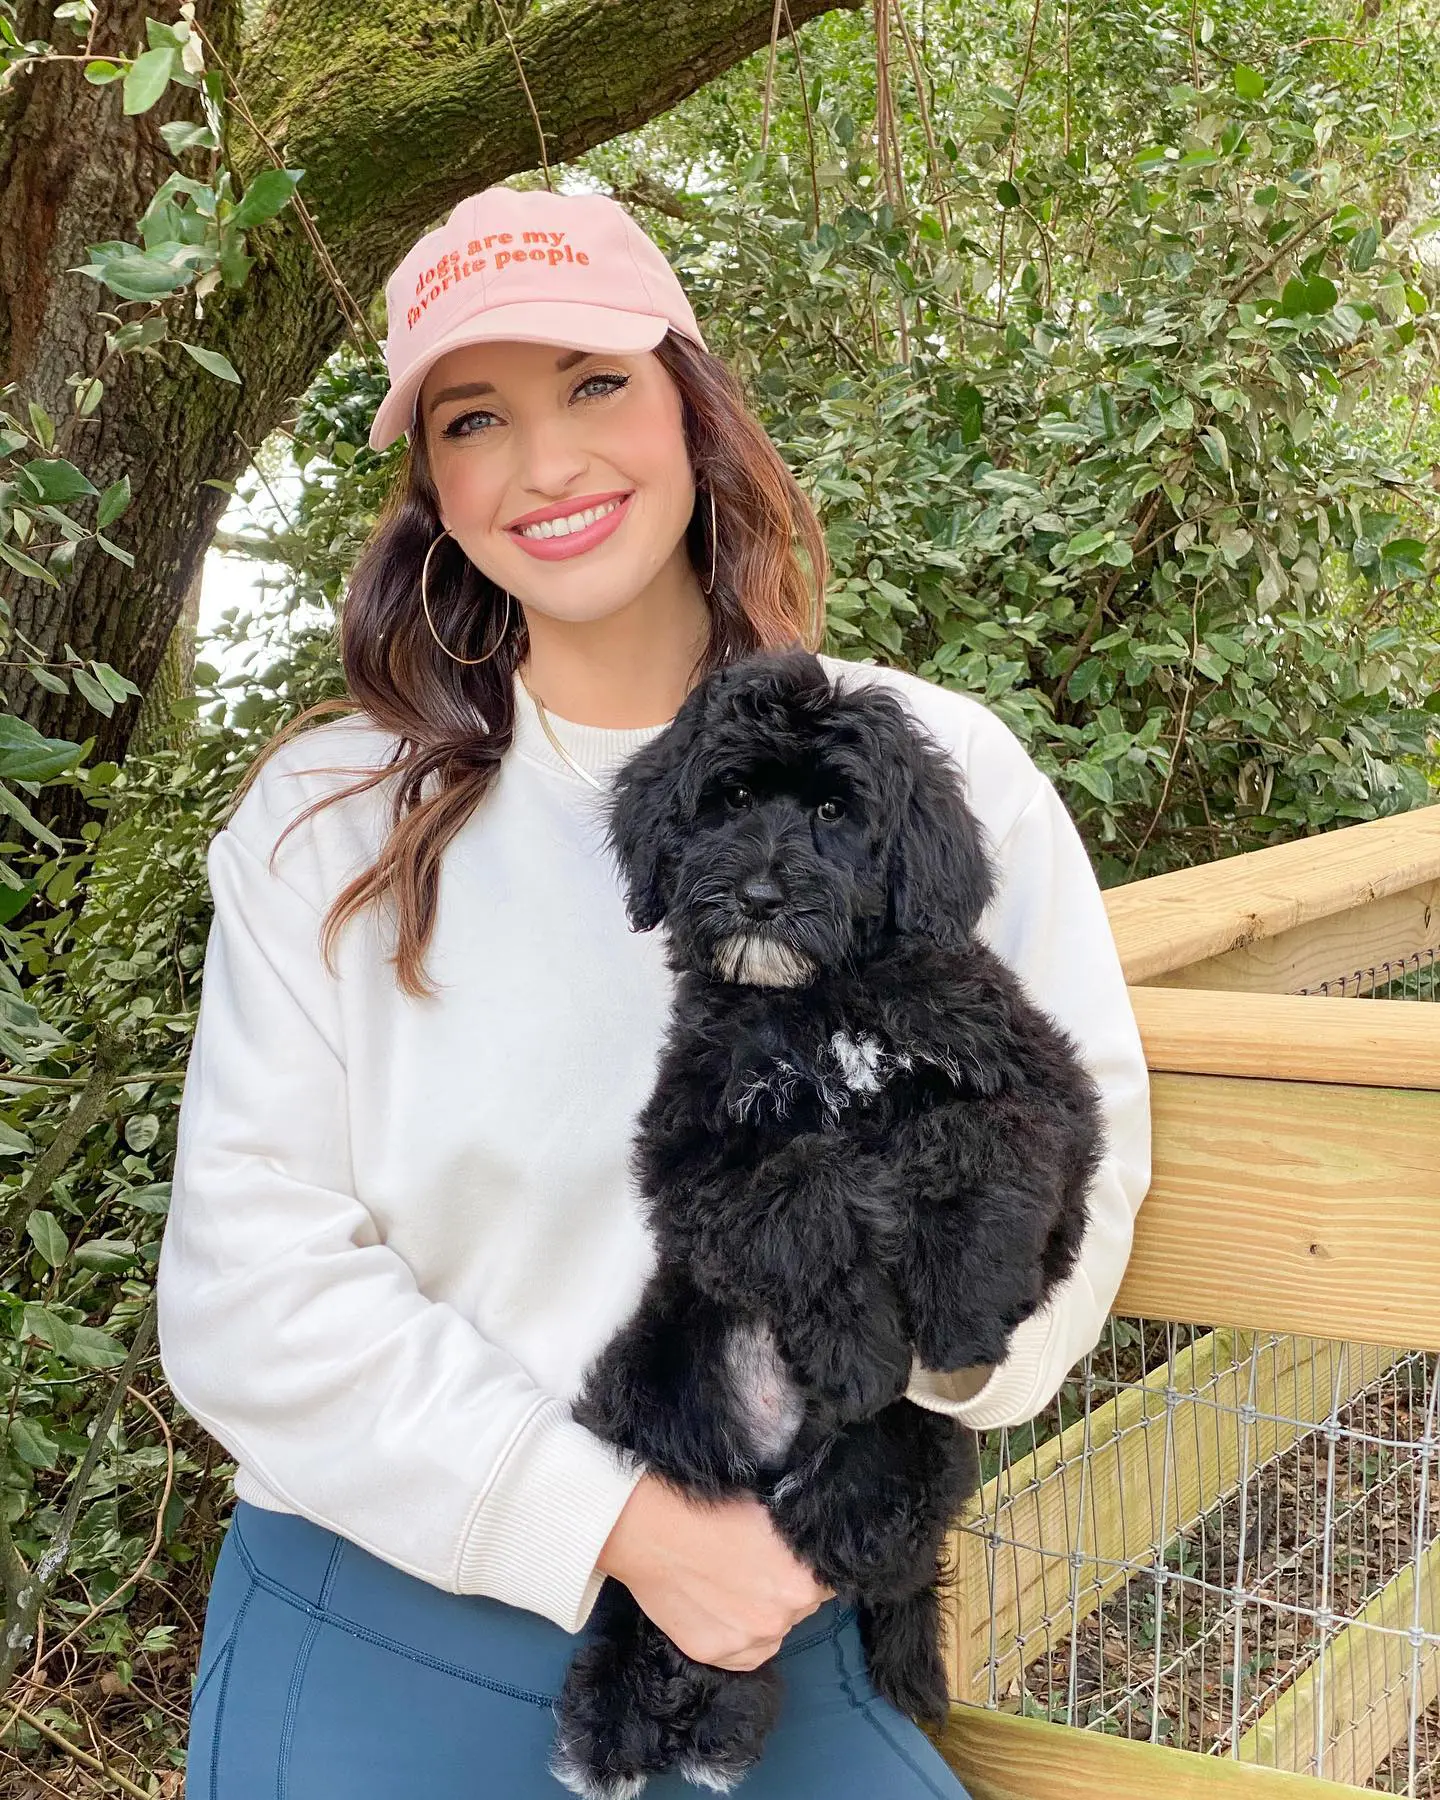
{"x":402,"y":1218}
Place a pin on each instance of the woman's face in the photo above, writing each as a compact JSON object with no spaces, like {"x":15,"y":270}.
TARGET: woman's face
{"x":519,"y":434}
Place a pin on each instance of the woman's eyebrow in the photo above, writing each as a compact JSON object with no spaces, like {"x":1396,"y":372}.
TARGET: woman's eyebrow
{"x":471,"y":390}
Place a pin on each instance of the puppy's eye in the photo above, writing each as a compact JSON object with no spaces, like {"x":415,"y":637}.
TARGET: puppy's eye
{"x":830,"y":811}
{"x":737,"y":796}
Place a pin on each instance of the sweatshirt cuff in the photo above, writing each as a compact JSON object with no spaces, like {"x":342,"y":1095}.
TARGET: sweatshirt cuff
{"x":1043,"y":1350}
{"x":545,"y":1518}
{"x":1011,"y":1394}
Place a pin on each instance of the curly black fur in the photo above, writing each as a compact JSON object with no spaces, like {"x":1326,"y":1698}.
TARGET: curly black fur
{"x":864,"y":1140}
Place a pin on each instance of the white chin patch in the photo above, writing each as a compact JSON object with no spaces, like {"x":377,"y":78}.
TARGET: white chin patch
{"x":756,"y":961}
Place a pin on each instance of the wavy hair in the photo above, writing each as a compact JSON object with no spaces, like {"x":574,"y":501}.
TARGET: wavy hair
{"x":455,"y":723}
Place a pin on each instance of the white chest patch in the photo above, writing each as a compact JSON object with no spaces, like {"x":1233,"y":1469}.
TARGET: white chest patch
{"x":845,"y":1067}
{"x":767,"y":1403}
{"x":864,"y":1066}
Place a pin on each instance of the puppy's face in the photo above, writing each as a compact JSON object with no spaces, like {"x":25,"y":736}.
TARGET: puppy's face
{"x":780,"y":828}
{"x":782,"y":867}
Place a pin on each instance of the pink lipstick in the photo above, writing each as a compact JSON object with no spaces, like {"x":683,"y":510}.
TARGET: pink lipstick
{"x":573,"y":543}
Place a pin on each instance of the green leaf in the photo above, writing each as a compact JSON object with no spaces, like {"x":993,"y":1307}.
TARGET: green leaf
{"x":1403,"y":559}
{"x":17,"y":809}
{"x":26,"y":565}
{"x":142,"y":274}
{"x":106,"y":1254}
{"x":93,"y":1349}
{"x":148,"y":78}
{"x":153,"y":1198}
{"x":213,"y":361}
{"x":26,"y":756}
{"x":1007,"y":194}
{"x":268,"y":194}
{"x":41,"y":424}
{"x":32,"y":1443}
{"x":1362,"y":249}
{"x":1093,"y":776}
{"x":1314,"y":294}
{"x":93,"y":691}
{"x":970,"y":413}
{"x":100,"y":71}
{"x":1084,"y":543}
{"x":43,"y":1228}
{"x":13,"y":1142}
{"x":53,"y":481}
{"x":113,"y":502}
{"x":1249,"y":83}
{"x":116,"y":685}
{"x":141,"y":1131}
{"x":12,"y":901}
{"x":1214,"y":442}
{"x":181,"y":135}
{"x":39,"y":1322}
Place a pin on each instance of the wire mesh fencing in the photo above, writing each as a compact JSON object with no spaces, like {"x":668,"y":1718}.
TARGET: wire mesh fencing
{"x":1412,"y":977}
{"x":1223,"y":1541}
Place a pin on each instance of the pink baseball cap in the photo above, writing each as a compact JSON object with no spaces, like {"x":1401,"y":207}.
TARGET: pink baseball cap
{"x":544,"y":268}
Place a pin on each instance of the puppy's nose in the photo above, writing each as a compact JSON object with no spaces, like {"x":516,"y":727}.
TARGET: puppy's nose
{"x":761,"y":896}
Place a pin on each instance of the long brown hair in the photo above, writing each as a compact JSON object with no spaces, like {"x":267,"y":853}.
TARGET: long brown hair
{"x":396,"y":673}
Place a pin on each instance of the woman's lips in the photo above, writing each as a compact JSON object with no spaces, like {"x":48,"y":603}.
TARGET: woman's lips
{"x":575,"y":543}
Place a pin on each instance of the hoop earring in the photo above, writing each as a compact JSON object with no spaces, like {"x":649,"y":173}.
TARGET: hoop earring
{"x":469,"y":661}
{"x":714,"y":544}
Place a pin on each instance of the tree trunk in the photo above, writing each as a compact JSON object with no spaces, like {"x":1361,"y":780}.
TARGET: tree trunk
{"x":380,"y":109}
{"x":174,"y":681}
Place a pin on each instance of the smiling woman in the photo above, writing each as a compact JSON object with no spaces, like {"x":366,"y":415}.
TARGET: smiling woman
{"x":404,"y":1216}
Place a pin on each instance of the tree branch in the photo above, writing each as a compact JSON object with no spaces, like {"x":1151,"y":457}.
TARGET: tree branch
{"x":74,"y":1127}
{"x":27,"y":1590}
{"x":391,"y":134}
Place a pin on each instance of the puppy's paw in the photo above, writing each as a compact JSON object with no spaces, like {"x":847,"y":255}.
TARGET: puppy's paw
{"x":719,"y":1776}
{"x":724,"y":1742}
{"x":947,"y":1345}
{"x":592,"y":1784}
{"x":606,"y":1746}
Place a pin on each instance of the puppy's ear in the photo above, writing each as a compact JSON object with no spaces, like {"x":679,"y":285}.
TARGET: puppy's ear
{"x":652,"y":802}
{"x":940,"y":872}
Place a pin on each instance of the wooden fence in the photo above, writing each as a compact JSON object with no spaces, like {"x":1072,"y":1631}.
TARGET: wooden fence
{"x":1296,"y":1189}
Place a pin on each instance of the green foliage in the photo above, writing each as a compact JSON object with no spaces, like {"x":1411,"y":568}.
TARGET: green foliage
{"x":1125,"y":445}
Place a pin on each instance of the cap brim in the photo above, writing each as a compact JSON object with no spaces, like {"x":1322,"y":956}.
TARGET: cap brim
{"x":568,"y":323}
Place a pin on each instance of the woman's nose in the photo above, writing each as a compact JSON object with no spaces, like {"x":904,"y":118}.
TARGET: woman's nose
{"x":548,"y":458}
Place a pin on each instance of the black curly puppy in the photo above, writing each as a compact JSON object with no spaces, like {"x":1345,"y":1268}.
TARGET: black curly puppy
{"x":864,"y":1142}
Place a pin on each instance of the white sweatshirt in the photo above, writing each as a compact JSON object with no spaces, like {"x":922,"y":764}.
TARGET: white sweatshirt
{"x":401,"y":1227}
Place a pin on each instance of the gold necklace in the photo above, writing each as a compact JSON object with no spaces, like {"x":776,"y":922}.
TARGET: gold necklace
{"x":560,"y":749}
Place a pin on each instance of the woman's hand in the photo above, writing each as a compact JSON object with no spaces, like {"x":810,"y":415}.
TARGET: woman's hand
{"x":716,"y":1577}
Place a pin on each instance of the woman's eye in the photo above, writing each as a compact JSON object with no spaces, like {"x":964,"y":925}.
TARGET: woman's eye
{"x":455,"y":427}
{"x":616,"y":382}
{"x":830,"y":811}
{"x":736,"y":796}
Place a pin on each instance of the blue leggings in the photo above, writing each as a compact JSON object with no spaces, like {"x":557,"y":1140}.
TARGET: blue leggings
{"x":326,"y":1674}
